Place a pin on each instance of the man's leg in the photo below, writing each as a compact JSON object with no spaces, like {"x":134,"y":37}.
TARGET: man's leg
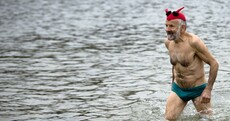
{"x":174,"y":107}
{"x":203,"y":108}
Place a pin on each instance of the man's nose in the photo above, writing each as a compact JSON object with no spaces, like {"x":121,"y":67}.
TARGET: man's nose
{"x":167,"y":29}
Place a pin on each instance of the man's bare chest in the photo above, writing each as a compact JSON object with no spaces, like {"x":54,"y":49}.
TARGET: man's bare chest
{"x":182,"y":54}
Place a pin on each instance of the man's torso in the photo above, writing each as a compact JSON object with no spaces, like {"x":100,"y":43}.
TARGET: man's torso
{"x":188,"y":67}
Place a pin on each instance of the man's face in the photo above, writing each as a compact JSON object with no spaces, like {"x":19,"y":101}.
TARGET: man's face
{"x":172,"y":29}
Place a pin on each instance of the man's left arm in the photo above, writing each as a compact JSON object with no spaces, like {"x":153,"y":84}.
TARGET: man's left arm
{"x":207,"y":57}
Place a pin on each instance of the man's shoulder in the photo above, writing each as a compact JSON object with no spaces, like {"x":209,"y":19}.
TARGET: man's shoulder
{"x":167,"y":43}
{"x":194,"y":39}
{"x":196,"y":42}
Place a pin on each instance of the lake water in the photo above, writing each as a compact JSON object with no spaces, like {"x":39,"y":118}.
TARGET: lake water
{"x":101,"y":60}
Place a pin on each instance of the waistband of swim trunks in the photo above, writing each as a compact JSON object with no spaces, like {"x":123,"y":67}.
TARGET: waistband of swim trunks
{"x":187,"y":89}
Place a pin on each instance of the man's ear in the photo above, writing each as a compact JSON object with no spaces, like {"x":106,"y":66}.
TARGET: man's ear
{"x":183,"y":28}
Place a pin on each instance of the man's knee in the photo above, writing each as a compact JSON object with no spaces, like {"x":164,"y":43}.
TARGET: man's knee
{"x":170,"y":116}
{"x":206,"y":112}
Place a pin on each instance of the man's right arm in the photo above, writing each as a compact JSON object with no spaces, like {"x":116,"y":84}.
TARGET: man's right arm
{"x":173,"y":74}
{"x":167,"y":46}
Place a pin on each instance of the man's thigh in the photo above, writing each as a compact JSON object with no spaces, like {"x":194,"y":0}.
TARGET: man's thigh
{"x":204,"y":108}
{"x":174,"y":106}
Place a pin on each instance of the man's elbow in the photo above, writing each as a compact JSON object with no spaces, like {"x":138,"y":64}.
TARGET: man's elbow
{"x":215,"y":64}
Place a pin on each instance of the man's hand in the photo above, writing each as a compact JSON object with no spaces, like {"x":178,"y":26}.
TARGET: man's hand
{"x":206,"y":96}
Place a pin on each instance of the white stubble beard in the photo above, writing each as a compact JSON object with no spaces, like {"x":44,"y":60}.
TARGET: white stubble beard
{"x":174,"y":36}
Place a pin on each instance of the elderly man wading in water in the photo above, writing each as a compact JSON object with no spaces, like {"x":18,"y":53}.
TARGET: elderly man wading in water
{"x":187,"y":55}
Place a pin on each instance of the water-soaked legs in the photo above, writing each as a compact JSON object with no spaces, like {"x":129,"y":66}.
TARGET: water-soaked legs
{"x":202,"y":108}
{"x":174,"y":107}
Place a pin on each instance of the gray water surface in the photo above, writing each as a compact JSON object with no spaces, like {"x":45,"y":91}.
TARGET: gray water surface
{"x":101,"y":60}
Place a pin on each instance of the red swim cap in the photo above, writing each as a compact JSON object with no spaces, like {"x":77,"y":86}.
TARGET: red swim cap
{"x":175,"y":14}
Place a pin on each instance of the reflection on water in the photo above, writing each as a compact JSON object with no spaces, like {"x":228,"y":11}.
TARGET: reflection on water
{"x":100,"y":60}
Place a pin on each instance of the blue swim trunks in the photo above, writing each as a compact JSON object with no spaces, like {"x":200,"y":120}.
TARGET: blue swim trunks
{"x":187,"y":94}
